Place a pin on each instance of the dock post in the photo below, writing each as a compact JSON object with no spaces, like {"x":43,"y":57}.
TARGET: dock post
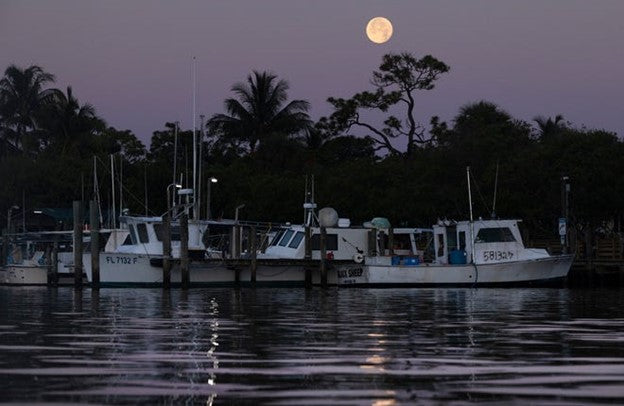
{"x":308,"y":256}
{"x":95,"y":245}
{"x":184,"y":255}
{"x":237,"y":241}
{"x":372,"y":242}
{"x":48,"y":262}
{"x":166,"y":240}
{"x":53,"y":277}
{"x":253,"y":248}
{"x":391,"y":241}
{"x":5,"y":246}
{"x":77,"y":244}
{"x":323,"y":263}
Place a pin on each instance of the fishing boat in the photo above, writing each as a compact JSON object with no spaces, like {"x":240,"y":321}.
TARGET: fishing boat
{"x":473,"y":253}
{"x":497,"y":257}
{"x":29,"y":259}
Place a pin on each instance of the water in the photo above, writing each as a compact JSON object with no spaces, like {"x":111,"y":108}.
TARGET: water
{"x":291,"y":346}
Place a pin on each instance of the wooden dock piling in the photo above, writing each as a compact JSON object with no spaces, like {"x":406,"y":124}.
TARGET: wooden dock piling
{"x":372,"y":242}
{"x":53,"y":275}
{"x":184,"y":254}
{"x":77,"y":244}
{"x":5,"y":246}
{"x":323,"y":262}
{"x":253,"y":249}
{"x":237,"y":242}
{"x":308,"y":256}
{"x":166,"y":240}
{"x":95,"y":245}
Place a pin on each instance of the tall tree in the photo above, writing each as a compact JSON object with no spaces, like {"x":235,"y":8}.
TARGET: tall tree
{"x":398,"y":78}
{"x":549,"y":127}
{"x":69,"y":124}
{"x":22,"y":95}
{"x":259,"y":110}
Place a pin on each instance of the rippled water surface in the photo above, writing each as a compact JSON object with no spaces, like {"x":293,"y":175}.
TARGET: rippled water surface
{"x":292,"y":346}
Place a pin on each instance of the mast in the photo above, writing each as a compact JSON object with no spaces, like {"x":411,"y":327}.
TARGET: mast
{"x":199,"y":166}
{"x":194,"y":141}
{"x":120,"y":185}
{"x":145,"y":187}
{"x":495,"y":187}
{"x":175,"y":158}
{"x":472,"y":240}
{"x":96,"y":190}
{"x":114,"y":214}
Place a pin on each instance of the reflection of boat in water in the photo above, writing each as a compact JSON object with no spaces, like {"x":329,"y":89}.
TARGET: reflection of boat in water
{"x":497,"y":256}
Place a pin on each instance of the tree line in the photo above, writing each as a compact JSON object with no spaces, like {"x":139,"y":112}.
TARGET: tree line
{"x":372,"y":156}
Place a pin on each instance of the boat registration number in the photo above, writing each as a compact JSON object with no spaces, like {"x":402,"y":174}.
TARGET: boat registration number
{"x":120,"y":260}
{"x":497,"y":255}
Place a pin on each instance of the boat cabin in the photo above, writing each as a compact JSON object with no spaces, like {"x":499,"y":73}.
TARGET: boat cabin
{"x":494,"y":241}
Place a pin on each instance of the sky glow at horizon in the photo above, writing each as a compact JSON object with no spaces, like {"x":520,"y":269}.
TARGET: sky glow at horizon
{"x":132,"y":60}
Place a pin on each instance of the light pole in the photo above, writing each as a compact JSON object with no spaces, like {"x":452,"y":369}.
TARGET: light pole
{"x":9,"y":217}
{"x":210,"y":181}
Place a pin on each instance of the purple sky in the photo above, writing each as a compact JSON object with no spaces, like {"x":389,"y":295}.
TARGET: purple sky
{"x":131,"y":59}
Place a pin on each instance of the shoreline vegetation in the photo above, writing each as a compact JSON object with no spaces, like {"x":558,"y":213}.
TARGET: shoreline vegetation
{"x":399,"y":165}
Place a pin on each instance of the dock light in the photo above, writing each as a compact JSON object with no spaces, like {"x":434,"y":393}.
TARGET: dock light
{"x":214,"y":180}
{"x":37,"y":212}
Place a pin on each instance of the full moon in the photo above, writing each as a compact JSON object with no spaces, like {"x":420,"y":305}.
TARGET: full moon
{"x":379,"y":30}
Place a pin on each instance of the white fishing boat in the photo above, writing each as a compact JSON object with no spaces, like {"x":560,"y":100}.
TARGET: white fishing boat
{"x":29,"y":257}
{"x":472,"y":253}
{"x":30,"y":271}
{"x":500,"y":258}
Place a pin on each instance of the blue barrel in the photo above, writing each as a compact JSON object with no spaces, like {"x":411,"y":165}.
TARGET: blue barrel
{"x":396,"y":260}
{"x":411,"y":261}
{"x":457,"y":257}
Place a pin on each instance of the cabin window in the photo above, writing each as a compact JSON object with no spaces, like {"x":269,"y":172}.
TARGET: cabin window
{"x":158,"y":230}
{"x":142,"y":229}
{"x":175,"y":233}
{"x":278,"y":237}
{"x":498,"y":234}
{"x":127,"y":241}
{"x":331,"y":242}
{"x":440,"y":245}
{"x":402,"y":242}
{"x":286,"y":238}
{"x":296,"y":240}
{"x":133,"y":235}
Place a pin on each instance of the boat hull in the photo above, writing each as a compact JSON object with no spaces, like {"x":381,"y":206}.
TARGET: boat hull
{"x":24,"y":275}
{"x":146,"y":270}
{"x":530,"y":272}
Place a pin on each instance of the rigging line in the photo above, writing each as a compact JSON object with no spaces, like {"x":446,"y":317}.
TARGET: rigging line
{"x":128,"y":191}
{"x":480,"y":195}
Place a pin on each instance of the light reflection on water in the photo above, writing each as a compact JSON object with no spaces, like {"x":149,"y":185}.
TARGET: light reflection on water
{"x":292,"y":346}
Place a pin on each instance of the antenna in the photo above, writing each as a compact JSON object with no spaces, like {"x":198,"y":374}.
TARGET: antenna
{"x":495,"y":187}
{"x":472,"y":239}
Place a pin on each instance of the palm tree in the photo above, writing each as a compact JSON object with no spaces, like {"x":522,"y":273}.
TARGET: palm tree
{"x":259,"y":111}
{"x":66,"y":122}
{"x":548,"y":127}
{"x":21,"y":97}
